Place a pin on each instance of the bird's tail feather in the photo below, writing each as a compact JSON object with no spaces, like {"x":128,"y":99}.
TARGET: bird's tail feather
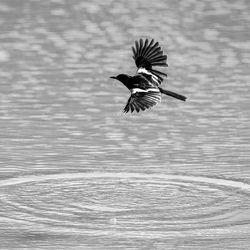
{"x":148,"y":54}
{"x":173,"y":94}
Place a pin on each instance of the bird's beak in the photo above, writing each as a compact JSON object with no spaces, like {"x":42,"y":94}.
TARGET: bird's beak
{"x":113,"y":77}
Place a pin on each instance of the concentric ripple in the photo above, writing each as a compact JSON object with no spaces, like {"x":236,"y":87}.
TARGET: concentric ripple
{"x":125,"y":203}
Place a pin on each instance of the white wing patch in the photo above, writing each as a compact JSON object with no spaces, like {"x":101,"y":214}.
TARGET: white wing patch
{"x":136,"y":90}
{"x":154,"y":77}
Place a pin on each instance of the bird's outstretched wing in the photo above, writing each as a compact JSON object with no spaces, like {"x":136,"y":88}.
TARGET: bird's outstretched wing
{"x":148,"y":54}
{"x":142,"y":99}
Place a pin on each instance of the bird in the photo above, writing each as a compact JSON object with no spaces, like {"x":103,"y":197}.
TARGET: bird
{"x":145,"y":85}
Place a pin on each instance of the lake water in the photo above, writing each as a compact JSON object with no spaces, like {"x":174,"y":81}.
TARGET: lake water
{"x":77,"y":173}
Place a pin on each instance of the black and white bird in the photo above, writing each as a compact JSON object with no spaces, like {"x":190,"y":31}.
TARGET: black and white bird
{"x":145,"y":84}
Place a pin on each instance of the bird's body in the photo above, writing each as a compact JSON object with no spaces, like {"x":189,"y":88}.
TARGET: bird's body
{"x":145,"y":85}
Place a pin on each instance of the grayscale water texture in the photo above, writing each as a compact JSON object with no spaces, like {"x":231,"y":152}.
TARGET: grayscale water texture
{"x":77,"y":173}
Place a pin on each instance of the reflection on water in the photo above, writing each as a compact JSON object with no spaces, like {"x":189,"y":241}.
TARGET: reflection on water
{"x":76,"y":172}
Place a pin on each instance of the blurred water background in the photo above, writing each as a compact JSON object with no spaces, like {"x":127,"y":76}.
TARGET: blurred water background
{"x":76,"y":173}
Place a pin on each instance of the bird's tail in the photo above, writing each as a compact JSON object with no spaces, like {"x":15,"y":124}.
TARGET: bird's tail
{"x":175,"y":95}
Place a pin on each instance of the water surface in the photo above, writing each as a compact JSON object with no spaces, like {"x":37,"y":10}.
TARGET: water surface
{"x":76,"y":173}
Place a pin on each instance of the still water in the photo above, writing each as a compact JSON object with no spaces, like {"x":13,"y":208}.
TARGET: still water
{"x":77,"y":173}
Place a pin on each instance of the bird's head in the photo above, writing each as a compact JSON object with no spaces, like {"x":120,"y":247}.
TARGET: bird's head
{"x":122,"y":78}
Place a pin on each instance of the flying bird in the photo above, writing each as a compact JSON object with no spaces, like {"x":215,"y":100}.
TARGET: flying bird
{"x":145,"y":84}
